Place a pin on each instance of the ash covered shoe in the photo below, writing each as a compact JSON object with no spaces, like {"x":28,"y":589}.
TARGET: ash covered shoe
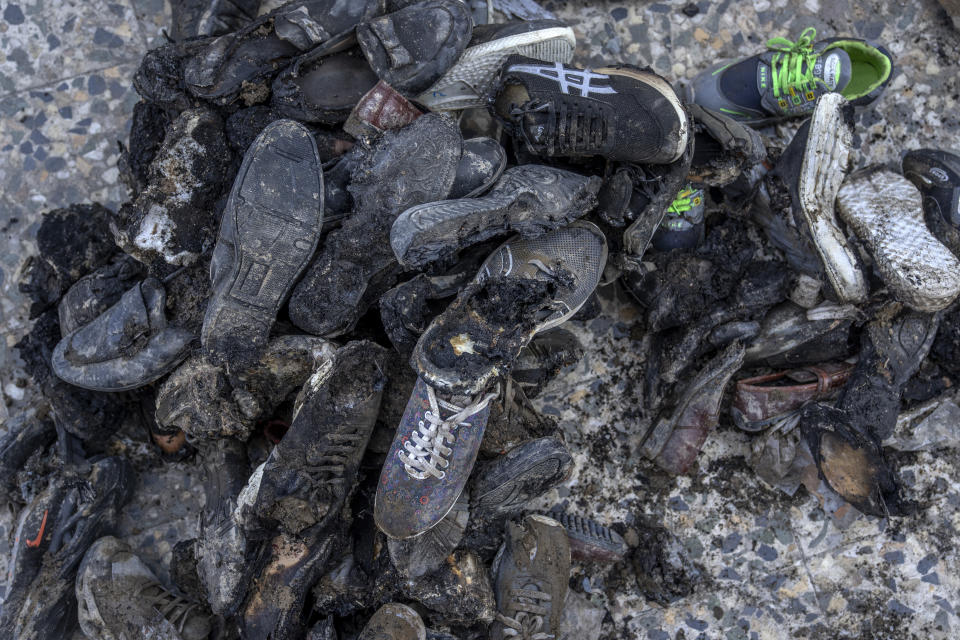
{"x":270,"y":228}
{"x":524,"y":287}
{"x":590,"y":541}
{"x":541,"y":360}
{"x":192,"y":18}
{"x":788,"y":331}
{"x":430,"y":460}
{"x":682,"y":226}
{"x":469,"y":82}
{"x":128,"y":346}
{"x":529,"y":199}
{"x":723,"y":148}
{"x":621,"y":113}
{"x":481,"y":165}
{"x":886,"y":212}
{"x":120,"y":597}
{"x":532,"y":570}
{"x":812,"y":169}
{"x":356,"y":265}
{"x":411,"y":48}
{"x":675,"y":440}
{"x":786,"y":81}
{"x":320,"y":86}
{"x":416,"y":557}
{"x":937,"y":174}
{"x":311,"y":473}
{"x":505,"y":485}
{"x":394,"y":621}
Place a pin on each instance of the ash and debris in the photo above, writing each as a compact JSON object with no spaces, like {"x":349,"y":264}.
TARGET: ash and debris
{"x":736,"y":558}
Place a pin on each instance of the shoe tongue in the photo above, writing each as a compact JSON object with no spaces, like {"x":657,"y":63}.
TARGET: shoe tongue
{"x":832,"y":66}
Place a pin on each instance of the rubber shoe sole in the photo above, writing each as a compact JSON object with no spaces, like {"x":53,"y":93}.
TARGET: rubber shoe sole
{"x":468,"y":82}
{"x":885,"y":210}
{"x":826,"y":161}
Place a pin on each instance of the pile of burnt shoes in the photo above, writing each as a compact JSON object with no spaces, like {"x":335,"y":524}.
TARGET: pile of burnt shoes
{"x":354,"y":231}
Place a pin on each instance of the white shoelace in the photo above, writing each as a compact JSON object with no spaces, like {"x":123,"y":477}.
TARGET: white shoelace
{"x":426,"y":450}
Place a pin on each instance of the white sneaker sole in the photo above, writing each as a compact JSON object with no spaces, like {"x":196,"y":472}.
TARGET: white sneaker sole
{"x":826,"y":161}
{"x":885,"y":211}
{"x":468,"y":83}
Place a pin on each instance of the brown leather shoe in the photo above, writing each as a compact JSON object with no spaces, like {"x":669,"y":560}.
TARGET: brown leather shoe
{"x":762,"y":399}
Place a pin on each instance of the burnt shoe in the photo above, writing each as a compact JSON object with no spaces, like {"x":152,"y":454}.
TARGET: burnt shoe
{"x":469,"y":82}
{"x":129,"y":345}
{"x":319,"y":86}
{"x":311,"y":473}
{"x":503,"y":486}
{"x":812,"y":169}
{"x":852,"y":464}
{"x":723,"y":149}
{"x":760,"y":401}
{"x":380,"y":109}
{"x":894,"y":345}
{"x":590,"y":541}
{"x":394,"y":621}
{"x":676,"y":438}
{"x":120,"y":597}
{"x":682,"y":225}
{"x":411,"y":48}
{"x":25,"y":435}
{"x":937,"y":174}
{"x":430,"y":460}
{"x":275,"y":606}
{"x":416,"y":557}
{"x":481,"y":165}
{"x":532,"y":569}
{"x":621,"y":113}
{"x":788,"y":330}
{"x":541,"y":360}
{"x":192,"y":18}
{"x":885,"y":211}
{"x":270,"y":228}
{"x":242,"y":64}
{"x":356,"y":266}
{"x":529,"y":199}
{"x":96,"y":292}
{"x":524,"y":287}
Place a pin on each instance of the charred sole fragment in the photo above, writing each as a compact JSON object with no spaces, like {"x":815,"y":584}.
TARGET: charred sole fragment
{"x":270,"y":229}
{"x":826,"y":160}
{"x":530,"y":199}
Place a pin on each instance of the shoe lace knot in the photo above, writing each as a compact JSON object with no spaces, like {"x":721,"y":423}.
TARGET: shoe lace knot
{"x":793,"y":63}
{"x":530,"y":605}
{"x":175,"y":609}
{"x":425,"y":453}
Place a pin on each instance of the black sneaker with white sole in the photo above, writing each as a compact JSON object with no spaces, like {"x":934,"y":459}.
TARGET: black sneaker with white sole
{"x":621,"y":112}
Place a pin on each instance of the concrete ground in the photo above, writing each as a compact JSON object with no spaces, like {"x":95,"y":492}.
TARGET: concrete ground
{"x":773,"y":566}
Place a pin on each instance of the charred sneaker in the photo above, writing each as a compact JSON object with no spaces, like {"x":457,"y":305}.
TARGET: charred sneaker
{"x":120,"y":597}
{"x":621,"y":113}
{"x":590,"y":541}
{"x":723,"y":148}
{"x":270,"y":228}
{"x":529,"y":199}
{"x":468,"y":83}
{"x":885,"y":211}
{"x":394,"y":621}
{"x":787,"y":80}
{"x":526,"y":286}
{"x":937,"y":174}
{"x":682,"y":226}
{"x":541,"y":360}
{"x":532,"y":569}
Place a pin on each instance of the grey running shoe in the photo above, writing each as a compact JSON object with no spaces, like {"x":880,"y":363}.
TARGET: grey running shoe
{"x":269,"y":231}
{"x":786,"y":81}
{"x":394,"y":621}
{"x":589,"y":541}
{"x":128,"y":346}
{"x":505,"y":485}
{"x":524,"y":287}
{"x":885,"y":211}
{"x":532,"y":569}
{"x":470,"y":80}
{"x":120,"y":597}
{"x":529,"y":199}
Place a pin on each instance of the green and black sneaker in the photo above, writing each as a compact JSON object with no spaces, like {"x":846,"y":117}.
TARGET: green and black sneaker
{"x":786,"y":80}
{"x":682,"y":226}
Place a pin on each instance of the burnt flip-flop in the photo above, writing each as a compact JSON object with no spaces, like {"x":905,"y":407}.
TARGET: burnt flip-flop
{"x":270,"y":228}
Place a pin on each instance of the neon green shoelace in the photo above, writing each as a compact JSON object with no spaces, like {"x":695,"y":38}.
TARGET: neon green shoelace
{"x":682,"y":203}
{"x":793,"y":65}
